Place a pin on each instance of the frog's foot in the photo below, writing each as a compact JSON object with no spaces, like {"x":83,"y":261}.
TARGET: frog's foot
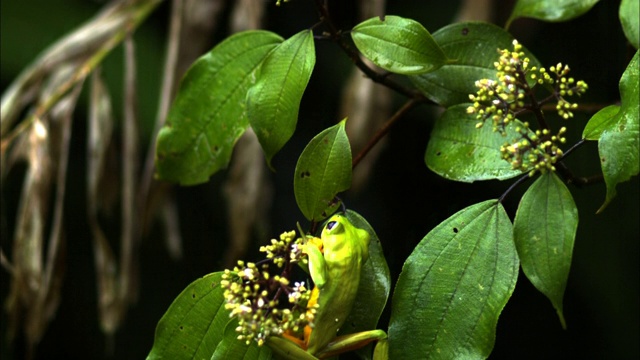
{"x":355,"y":341}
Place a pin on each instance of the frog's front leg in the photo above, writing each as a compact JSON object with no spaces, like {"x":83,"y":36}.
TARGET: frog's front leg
{"x":351,"y":342}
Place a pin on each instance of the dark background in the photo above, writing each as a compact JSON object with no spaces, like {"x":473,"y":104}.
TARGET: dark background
{"x":403,"y":200}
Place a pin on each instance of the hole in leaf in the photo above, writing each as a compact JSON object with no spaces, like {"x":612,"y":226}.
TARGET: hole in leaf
{"x":305,"y":174}
{"x":455,"y":230}
{"x":438,"y":153}
{"x":465,"y":31}
{"x":193,"y":296}
{"x":181,"y":327}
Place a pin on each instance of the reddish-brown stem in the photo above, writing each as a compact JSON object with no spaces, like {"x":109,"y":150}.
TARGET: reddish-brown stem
{"x":578,"y":181}
{"x":534,"y":104}
{"x":384,"y":130}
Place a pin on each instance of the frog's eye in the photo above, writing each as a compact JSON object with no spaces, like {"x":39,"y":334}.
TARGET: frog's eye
{"x":334,"y":226}
{"x":331,"y":225}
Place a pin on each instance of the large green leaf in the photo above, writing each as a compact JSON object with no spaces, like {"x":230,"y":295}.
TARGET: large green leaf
{"x":193,"y":325}
{"x":230,"y":348}
{"x":454,"y":286}
{"x":550,"y":10}
{"x":619,"y":144}
{"x":544,"y":231}
{"x":458,"y":151}
{"x":323,"y":170}
{"x":475,"y":46}
{"x":375,"y":284}
{"x":599,"y":122}
{"x":273,"y":102}
{"x":207,"y":116}
{"x":399,"y":45}
{"x":630,"y":19}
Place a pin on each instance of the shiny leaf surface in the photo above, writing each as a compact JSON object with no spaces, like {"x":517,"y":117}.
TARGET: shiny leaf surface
{"x":544,"y":231}
{"x":273,"y":102}
{"x":208,"y":114}
{"x":454,"y":286}
{"x":398,"y":44}
{"x":458,"y":151}
{"x":323,"y":170}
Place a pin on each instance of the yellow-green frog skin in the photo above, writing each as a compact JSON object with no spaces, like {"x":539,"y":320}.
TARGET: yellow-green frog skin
{"x":335,"y":267}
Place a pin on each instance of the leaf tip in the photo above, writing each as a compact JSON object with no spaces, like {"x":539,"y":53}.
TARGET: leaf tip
{"x":563,"y":322}
{"x":603,"y":206}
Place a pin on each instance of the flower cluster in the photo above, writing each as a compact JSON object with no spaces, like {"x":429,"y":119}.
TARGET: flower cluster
{"x":500,"y":99}
{"x":253,"y":295}
{"x":511,"y":94}
{"x":537,"y":151}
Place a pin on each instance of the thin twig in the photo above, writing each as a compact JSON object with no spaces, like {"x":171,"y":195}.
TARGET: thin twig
{"x":168,"y":82}
{"x":568,"y":175}
{"x":572,"y":148}
{"x":522,"y":179}
{"x":384,"y":130}
{"x":564,"y":171}
{"x":534,"y":104}
{"x":336,"y":36}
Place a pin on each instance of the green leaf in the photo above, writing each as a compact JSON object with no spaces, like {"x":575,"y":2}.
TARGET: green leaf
{"x":550,"y":10}
{"x":399,"y":45}
{"x":273,"y":102}
{"x":599,"y":122}
{"x":475,"y":46}
{"x":458,"y":151}
{"x":629,"y":19}
{"x":454,"y":286}
{"x":193,"y":325}
{"x":618,"y":145}
{"x":207,"y":116}
{"x":230,"y":348}
{"x":544,"y":230}
{"x":323,"y":170}
{"x":375,"y":284}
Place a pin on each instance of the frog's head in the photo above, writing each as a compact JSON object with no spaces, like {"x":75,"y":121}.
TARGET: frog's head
{"x":339,"y":234}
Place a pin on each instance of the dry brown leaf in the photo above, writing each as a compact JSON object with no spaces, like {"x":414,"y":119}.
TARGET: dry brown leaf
{"x":128,"y":280}
{"x":99,"y":134}
{"x":37,"y":274}
{"x":95,"y":38}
